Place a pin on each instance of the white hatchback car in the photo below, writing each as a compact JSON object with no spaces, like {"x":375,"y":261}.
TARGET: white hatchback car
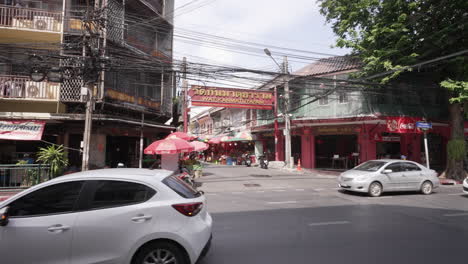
{"x":118,"y":216}
{"x":465,"y":186}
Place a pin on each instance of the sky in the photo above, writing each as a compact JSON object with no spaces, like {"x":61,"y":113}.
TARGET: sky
{"x":295,"y":24}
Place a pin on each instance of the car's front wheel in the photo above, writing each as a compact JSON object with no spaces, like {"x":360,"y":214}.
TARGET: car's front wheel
{"x":426,"y":188}
{"x":375,"y":189}
{"x":160,"y":253}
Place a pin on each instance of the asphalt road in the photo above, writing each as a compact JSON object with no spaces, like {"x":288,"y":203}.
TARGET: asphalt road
{"x":291,"y":218}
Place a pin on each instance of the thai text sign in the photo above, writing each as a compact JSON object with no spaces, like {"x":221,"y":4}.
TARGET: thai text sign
{"x":402,"y":125}
{"x":336,"y":130}
{"x":231,"y":98}
{"x":21,"y":130}
{"x":112,"y":94}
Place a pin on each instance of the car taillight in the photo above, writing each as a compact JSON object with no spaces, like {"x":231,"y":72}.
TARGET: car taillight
{"x":189,"y":209}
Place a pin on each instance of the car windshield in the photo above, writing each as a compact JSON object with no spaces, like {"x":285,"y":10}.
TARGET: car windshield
{"x":370,"y":166}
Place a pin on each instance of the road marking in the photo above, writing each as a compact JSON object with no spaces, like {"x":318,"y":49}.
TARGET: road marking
{"x":318,"y":190}
{"x":300,"y":190}
{"x":279,"y":190}
{"x":455,"y":194}
{"x":330,"y":223}
{"x":284,"y":202}
{"x":212,"y":194}
{"x":237,"y":192}
{"x":457,"y":214}
{"x":260,"y":191}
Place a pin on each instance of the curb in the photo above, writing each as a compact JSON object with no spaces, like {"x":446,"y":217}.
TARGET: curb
{"x":449,"y":182}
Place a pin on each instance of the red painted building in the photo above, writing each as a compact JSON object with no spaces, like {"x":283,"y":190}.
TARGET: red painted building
{"x":349,"y":123}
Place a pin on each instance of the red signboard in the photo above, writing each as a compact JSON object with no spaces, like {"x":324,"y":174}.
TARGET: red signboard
{"x":402,"y":125}
{"x":21,"y":130}
{"x":231,"y":98}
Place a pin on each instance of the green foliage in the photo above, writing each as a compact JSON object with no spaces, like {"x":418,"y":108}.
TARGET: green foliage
{"x":388,"y":35}
{"x":460,"y":88}
{"x":31,"y":175}
{"x":22,"y":162}
{"x":55,"y":156}
{"x":456,"y":149}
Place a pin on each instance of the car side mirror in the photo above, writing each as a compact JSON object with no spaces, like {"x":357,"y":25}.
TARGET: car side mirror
{"x":4,"y":216}
{"x":387,"y":171}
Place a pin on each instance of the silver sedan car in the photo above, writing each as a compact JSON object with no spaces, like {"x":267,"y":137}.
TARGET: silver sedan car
{"x":387,"y":175}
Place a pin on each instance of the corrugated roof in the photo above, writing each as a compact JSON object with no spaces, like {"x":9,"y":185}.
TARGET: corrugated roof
{"x":330,"y":65}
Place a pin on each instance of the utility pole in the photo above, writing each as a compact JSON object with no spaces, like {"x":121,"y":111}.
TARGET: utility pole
{"x":140,"y":163}
{"x":287,"y":121}
{"x":88,"y":126}
{"x":90,"y":76}
{"x":276,"y":124}
{"x":89,"y":93}
{"x":185,"y":95}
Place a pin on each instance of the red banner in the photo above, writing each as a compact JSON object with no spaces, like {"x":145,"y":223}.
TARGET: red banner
{"x":402,"y":124}
{"x":231,"y":98}
{"x":21,"y":130}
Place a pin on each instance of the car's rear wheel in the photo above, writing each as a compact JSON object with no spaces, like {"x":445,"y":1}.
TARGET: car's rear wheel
{"x":375,"y":189}
{"x":426,"y":188}
{"x":160,"y":253}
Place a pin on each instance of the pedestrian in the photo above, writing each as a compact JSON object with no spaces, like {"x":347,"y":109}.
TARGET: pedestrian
{"x":197,"y":169}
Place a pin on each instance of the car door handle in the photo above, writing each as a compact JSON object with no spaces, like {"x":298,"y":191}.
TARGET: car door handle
{"x":141,"y":218}
{"x":57,"y":228}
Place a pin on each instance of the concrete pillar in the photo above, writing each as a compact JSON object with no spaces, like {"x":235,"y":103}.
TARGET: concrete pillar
{"x":414,"y":147}
{"x":258,"y":148}
{"x":308,"y":151}
{"x":97,"y":152}
{"x":367,"y":147}
{"x":281,"y":147}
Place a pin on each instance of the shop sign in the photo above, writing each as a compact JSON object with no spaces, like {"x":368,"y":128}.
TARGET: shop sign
{"x":402,"y":125}
{"x":336,"y":130}
{"x":379,"y":138}
{"x":21,"y":130}
{"x":231,"y":98}
{"x":119,"y":96}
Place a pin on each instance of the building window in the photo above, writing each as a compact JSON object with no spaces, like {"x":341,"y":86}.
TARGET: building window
{"x":323,"y":100}
{"x":343,"y":97}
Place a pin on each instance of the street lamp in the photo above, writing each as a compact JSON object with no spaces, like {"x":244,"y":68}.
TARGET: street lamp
{"x":287,"y":121}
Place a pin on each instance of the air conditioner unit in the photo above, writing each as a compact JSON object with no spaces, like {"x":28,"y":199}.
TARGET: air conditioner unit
{"x":43,"y":23}
{"x":33,"y":90}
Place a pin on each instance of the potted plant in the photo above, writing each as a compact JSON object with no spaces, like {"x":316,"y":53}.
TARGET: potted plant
{"x":55,"y":157}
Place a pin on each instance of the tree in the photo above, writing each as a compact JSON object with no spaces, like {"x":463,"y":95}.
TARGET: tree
{"x":54,"y":156}
{"x":388,"y":35}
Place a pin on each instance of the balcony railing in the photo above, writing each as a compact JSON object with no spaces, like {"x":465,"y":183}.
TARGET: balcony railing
{"x":18,"y":87}
{"x":30,"y":19}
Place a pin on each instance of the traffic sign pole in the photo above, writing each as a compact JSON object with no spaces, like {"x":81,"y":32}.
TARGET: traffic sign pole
{"x":426,"y":149}
{"x":425,"y":126}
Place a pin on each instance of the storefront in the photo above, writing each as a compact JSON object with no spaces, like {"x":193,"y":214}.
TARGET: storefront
{"x":344,"y":146}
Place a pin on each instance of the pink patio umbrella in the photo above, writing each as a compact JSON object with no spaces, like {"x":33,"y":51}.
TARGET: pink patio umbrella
{"x":199,"y":146}
{"x":180,"y":135}
{"x":169,"y":146}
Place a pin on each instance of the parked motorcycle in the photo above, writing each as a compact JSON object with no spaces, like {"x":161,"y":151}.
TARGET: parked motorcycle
{"x":263,"y":162}
{"x":248,"y":162}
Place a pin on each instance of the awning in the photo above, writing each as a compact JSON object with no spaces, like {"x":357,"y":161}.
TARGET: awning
{"x":241,"y":136}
